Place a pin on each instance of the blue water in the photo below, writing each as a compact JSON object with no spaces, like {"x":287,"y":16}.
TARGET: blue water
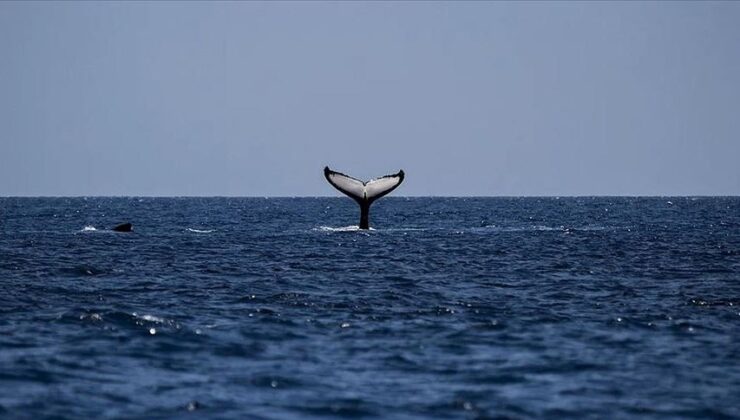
{"x":450,"y":308}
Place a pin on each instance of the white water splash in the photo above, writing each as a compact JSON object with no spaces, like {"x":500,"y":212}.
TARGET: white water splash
{"x":353,"y":228}
{"x":199,"y":230}
{"x":149,"y":318}
{"x":88,"y":229}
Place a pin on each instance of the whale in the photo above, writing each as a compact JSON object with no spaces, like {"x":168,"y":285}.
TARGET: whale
{"x":364,"y":192}
{"x":124,"y":227}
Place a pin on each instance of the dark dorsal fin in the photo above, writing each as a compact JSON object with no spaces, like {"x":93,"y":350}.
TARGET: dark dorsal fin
{"x":124,"y":227}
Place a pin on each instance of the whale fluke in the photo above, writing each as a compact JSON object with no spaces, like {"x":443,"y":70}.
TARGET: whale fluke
{"x":124,"y":227}
{"x":364,"y":192}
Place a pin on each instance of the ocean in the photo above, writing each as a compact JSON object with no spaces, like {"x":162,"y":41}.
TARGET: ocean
{"x":233,"y":308}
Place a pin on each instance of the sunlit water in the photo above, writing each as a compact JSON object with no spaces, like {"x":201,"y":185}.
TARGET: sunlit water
{"x":450,"y":307}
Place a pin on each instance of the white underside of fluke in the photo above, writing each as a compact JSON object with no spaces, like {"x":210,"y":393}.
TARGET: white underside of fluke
{"x":372,"y":189}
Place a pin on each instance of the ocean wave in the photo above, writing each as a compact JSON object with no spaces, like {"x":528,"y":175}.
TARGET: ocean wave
{"x":482,"y":229}
{"x":438,"y":298}
{"x":200,"y":230}
{"x":538,"y":228}
{"x":119,"y":319}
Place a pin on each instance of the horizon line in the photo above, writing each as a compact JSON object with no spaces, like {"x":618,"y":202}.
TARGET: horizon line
{"x":395,"y":196}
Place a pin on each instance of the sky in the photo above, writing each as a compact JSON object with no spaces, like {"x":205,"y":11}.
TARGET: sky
{"x":469,"y":98}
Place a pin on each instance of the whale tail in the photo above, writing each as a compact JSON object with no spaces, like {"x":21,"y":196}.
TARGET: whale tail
{"x":364,"y":192}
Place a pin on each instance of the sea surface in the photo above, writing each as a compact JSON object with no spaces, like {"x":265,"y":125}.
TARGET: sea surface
{"x":237,"y":308}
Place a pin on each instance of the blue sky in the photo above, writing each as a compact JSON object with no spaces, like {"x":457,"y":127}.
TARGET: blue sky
{"x":253,"y":99}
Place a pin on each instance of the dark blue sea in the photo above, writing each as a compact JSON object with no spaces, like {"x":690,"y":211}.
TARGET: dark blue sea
{"x":238,"y":308}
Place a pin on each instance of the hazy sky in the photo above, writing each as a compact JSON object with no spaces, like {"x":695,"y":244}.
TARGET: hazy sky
{"x":253,"y":99}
